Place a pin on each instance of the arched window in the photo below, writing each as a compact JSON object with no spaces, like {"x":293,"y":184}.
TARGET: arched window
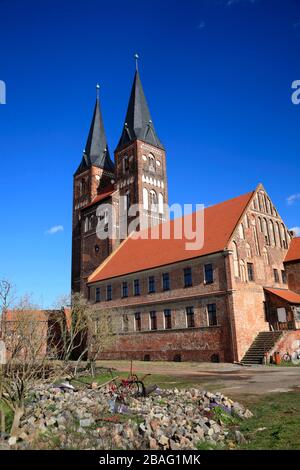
{"x":243,"y":271}
{"x":241,"y":231}
{"x":160,"y":203}
{"x":248,"y":251}
{"x":254,"y":232}
{"x":266,"y":231}
{"x":255,"y":202}
{"x":272,"y":233}
{"x":151,"y":163}
{"x":278,"y":234}
{"x":235,"y":260}
{"x":145,"y":199}
{"x":283,"y":236}
{"x":153,"y":201}
{"x":265,"y":255}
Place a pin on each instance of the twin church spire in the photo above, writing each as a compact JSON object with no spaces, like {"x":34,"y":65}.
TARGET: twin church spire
{"x":138,"y":126}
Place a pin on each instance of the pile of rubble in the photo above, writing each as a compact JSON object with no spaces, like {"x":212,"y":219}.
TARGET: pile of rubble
{"x":166,"y":419}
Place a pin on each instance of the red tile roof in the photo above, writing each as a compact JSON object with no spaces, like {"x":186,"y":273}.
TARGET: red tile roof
{"x":293,"y":253}
{"x":107,"y":191}
{"x":286,"y":294}
{"x":135,"y":255}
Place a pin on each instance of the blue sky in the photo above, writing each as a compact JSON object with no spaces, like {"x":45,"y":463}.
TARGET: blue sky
{"x":217,"y":75}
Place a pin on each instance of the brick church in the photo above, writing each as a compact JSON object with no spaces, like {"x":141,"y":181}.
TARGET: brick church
{"x":237,"y":297}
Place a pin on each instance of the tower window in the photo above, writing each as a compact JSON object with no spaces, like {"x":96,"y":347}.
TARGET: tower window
{"x":153,"y":320}
{"x":109,"y":292}
{"x":168,"y":319}
{"x":153,"y":201}
{"x":151,"y":284}
{"x":166,"y":281}
{"x":136,"y":287}
{"x":188,"y":281}
{"x":138,"y":321}
{"x":208,"y":274}
{"x":190,"y":317}
{"x":125,"y":164}
{"x":212,"y":314}
{"x":151,"y":163}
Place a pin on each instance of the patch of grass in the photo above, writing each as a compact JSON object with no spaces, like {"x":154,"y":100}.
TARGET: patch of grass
{"x":205,"y":445}
{"x":275,"y":424}
{"x":8,"y":416}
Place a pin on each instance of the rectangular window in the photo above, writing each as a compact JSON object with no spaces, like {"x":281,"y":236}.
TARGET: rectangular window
{"x":208,"y":274}
{"x":136,"y":287}
{"x":212,"y":314}
{"x":276,"y":275}
{"x":188,"y":281}
{"x":153,"y":320}
{"x":124,"y":289}
{"x":151,"y":284}
{"x":108,"y":292}
{"x":250,"y":271}
{"x":166,"y":281}
{"x":168,"y":319}
{"x":190,"y":317}
{"x":283,"y":276}
{"x":125,"y":323}
{"x":138,"y":321}
{"x":97,"y":294}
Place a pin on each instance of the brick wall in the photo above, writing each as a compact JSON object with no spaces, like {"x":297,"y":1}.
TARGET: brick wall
{"x":293,"y":275}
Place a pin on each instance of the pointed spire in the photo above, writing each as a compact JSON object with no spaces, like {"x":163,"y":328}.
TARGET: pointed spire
{"x":138,"y":123}
{"x":96,"y":151}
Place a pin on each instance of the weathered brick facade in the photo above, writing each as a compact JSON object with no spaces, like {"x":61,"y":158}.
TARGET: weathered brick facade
{"x":217,"y":316}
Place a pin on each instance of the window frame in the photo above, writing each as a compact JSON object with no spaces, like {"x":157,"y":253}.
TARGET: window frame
{"x":124,"y":290}
{"x":190,"y":315}
{"x":166,"y":281}
{"x":137,"y":321}
{"x":206,"y":271}
{"x":167,"y":319}
{"x":97,"y":294}
{"x":250,"y":272}
{"x":151,"y":285}
{"x":211,"y":311}
{"x":109,"y":292}
{"x":136,"y":287}
{"x":153,"y":320}
{"x":187,"y":274}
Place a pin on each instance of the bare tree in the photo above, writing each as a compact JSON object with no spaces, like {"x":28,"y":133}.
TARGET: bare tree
{"x":7,"y":298}
{"x":28,"y":363}
{"x":85,"y":332}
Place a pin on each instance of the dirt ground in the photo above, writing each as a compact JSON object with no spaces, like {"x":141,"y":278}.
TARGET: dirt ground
{"x":237,"y":380}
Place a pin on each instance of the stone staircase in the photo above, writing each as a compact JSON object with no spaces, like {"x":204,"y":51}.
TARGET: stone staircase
{"x":264,"y":342}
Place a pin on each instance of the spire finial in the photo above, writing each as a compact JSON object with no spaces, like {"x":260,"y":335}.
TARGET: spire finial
{"x":97,"y":90}
{"x":136,"y":56}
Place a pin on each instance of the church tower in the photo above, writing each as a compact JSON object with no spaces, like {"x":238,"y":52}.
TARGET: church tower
{"x":140,"y":165}
{"x":94,"y":176}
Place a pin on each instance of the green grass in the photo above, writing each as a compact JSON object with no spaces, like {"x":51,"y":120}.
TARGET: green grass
{"x":8,"y":416}
{"x":279,"y":414}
